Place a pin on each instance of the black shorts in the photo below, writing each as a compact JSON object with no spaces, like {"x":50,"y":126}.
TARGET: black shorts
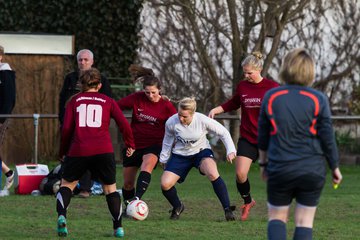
{"x":247,"y":149}
{"x":305,"y":188}
{"x":137,"y":158}
{"x":101,"y":166}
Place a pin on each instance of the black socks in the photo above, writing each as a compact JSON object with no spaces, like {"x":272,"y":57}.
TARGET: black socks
{"x":172,"y":197}
{"x":220,"y":189}
{"x":244,"y":190}
{"x":142,"y":184}
{"x":114,"y":204}
{"x":63,"y":198}
{"x":9,"y":173}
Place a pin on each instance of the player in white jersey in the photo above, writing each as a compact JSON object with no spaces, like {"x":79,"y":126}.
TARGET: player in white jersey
{"x":185,"y":146}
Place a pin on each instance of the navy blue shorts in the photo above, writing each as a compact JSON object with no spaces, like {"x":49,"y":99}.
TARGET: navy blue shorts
{"x":101,"y":166}
{"x":136,"y":159}
{"x":305,"y":188}
{"x":181,"y":165}
{"x":247,"y":149}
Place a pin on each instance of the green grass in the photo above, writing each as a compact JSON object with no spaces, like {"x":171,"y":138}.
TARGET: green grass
{"x":29,"y":217}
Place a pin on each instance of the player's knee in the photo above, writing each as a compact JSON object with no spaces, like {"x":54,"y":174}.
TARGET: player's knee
{"x":109,"y":188}
{"x":241,"y":177}
{"x":212,"y":176}
{"x":129,"y":185}
{"x":166,"y":185}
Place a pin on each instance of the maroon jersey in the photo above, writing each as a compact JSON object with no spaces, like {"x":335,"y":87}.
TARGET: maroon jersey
{"x":249,"y":97}
{"x":148,"y":118}
{"x":85,"y":130}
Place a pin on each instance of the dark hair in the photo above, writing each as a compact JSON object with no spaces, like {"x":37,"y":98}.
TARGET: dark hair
{"x":144,"y":75}
{"x":90,"y":78}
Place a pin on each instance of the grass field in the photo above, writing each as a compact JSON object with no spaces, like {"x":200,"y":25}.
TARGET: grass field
{"x":30,"y":217}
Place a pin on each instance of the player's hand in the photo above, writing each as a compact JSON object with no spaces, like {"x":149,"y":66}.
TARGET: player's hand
{"x":129,"y":152}
{"x":231,"y":157}
{"x":163,"y":165}
{"x":263,"y":174}
{"x":61,"y":159}
{"x":212,"y":113}
{"x":336,"y":176}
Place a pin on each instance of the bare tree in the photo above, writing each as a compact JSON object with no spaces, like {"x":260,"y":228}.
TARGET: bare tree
{"x":202,"y":43}
{"x":330,"y":30}
{"x":197,"y":46}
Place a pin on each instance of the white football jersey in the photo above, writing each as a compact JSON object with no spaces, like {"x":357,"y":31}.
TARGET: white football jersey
{"x":5,"y":66}
{"x":190,"y":139}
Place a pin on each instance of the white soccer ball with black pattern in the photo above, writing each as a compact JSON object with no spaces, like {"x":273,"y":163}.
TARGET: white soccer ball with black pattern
{"x":137,"y":209}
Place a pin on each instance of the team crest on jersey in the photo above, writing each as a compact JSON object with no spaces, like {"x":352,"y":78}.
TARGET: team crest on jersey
{"x":180,"y":139}
{"x":143,"y":117}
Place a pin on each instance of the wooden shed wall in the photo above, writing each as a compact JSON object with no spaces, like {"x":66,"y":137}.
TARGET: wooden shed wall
{"x":38,"y":82}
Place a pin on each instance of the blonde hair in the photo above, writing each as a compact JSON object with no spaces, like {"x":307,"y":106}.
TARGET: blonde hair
{"x":188,"y":103}
{"x":2,"y":51}
{"x":298,"y":67}
{"x":255,"y":60}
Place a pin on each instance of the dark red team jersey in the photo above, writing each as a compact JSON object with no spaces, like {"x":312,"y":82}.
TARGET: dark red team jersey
{"x":85,"y":131}
{"x":148,"y":118}
{"x":249,"y":97}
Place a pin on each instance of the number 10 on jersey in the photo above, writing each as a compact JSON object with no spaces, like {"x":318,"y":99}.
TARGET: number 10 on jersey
{"x":90,"y":115}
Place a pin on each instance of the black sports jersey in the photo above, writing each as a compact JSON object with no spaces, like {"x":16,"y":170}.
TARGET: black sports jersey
{"x":295,"y":129}
{"x":7,"y":92}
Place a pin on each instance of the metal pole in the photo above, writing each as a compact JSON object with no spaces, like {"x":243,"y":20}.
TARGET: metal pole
{"x":36,"y":131}
{"x":128,"y":116}
{"x":0,"y":174}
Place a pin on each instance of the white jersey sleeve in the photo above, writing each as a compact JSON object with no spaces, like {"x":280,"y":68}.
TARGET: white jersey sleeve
{"x":168,"y":141}
{"x":219,"y":130}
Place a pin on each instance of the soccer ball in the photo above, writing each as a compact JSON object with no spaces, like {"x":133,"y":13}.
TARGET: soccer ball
{"x":137,"y":209}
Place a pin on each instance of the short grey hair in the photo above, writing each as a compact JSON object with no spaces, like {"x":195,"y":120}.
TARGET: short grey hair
{"x":85,"y":50}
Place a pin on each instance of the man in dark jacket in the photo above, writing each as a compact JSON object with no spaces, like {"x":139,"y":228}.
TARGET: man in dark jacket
{"x":71,"y":86}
